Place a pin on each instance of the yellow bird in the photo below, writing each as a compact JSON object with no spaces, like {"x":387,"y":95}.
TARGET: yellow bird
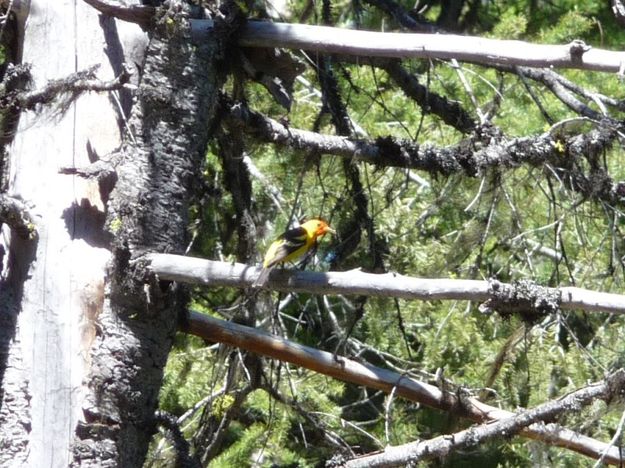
{"x":292,"y":244}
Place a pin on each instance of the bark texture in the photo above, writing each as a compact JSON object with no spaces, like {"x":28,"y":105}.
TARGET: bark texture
{"x":156,"y":168}
{"x":51,"y":284}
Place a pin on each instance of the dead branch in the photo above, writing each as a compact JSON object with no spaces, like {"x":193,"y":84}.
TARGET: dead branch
{"x":608,"y":389}
{"x":430,"y":46}
{"x":73,"y":85}
{"x":485,"y":149}
{"x":67,"y":89}
{"x":451,"y":112}
{"x":510,"y":298}
{"x":173,"y":432}
{"x":260,"y":342}
{"x":139,"y":14}
{"x":547,"y":76}
{"x":15,"y":214}
{"x":551,"y":80}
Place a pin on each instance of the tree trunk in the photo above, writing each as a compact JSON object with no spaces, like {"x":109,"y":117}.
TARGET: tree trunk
{"x":83,"y":341}
{"x":52,"y":288}
{"x":169,"y":129}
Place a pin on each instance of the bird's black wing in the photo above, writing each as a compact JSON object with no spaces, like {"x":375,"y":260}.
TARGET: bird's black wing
{"x":292,"y":240}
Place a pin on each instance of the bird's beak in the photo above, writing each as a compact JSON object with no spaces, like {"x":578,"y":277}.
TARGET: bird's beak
{"x":329,"y":229}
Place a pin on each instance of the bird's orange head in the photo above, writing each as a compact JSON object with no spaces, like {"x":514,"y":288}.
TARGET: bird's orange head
{"x":317,"y":227}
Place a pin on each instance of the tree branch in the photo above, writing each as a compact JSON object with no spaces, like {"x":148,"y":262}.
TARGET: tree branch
{"x":168,"y":422}
{"x":263,"y":343}
{"x":70,"y":86}
{"x":607,"y":389}
{"x":507,"y":298}
{"x":551,"y":81}
{"x":451,"y":112}
{"x":486,"y":148}
{"x":139,"y":14}
{"x":15,"y":214}
{"x":404,"y":45}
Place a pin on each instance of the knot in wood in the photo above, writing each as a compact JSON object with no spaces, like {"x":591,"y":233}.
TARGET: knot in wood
{"x":525,"y":298}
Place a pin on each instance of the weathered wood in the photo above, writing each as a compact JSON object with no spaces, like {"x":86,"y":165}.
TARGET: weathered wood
{"x":52,"y":289}
{"x":212,"y":273}
{"x":266,"y":344}
{"x":442,"y":446}
{"x":431,"y":46}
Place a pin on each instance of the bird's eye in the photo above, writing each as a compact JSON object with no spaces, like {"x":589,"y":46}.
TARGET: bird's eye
{"x":318,"y":224}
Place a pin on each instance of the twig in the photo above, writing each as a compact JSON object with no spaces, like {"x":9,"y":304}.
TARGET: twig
{"x":617,"y":435}
{"x":331,"y":436}
{"x":451,"y":112}
{"x":551,"y":81}
{"x":387,"y":414}
{"x":467,"y":87}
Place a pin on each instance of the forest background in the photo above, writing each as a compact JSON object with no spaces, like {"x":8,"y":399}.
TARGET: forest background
{"x":502,"y":172}
{"x":531,"y":222}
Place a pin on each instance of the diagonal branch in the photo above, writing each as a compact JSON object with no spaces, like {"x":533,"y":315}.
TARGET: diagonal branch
{"x":451,"y":112}
{"x":263,"y":343}
{"x":608,"y":389}
{"x":550,"y":79}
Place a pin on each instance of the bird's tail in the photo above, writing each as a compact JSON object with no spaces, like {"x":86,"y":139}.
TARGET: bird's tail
{"x":263,"y":277}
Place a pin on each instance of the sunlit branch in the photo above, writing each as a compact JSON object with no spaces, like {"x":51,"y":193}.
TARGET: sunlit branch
{"x":17,"y":216}
{"x":265,"y":344}
{"x":442,"y":446}
{"x":431,"y":46}
{"x":522,"y":297}
{"x":139,"y":14}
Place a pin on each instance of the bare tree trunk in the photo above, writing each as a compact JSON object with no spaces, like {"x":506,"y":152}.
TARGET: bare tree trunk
{"x":51,"y":289}
{"x":83,"y":343}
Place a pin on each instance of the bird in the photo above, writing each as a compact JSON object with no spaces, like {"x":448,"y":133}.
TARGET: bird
{"x":292,"y":244}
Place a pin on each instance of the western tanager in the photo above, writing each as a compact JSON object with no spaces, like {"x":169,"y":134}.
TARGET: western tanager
{"x":292,"y":244}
